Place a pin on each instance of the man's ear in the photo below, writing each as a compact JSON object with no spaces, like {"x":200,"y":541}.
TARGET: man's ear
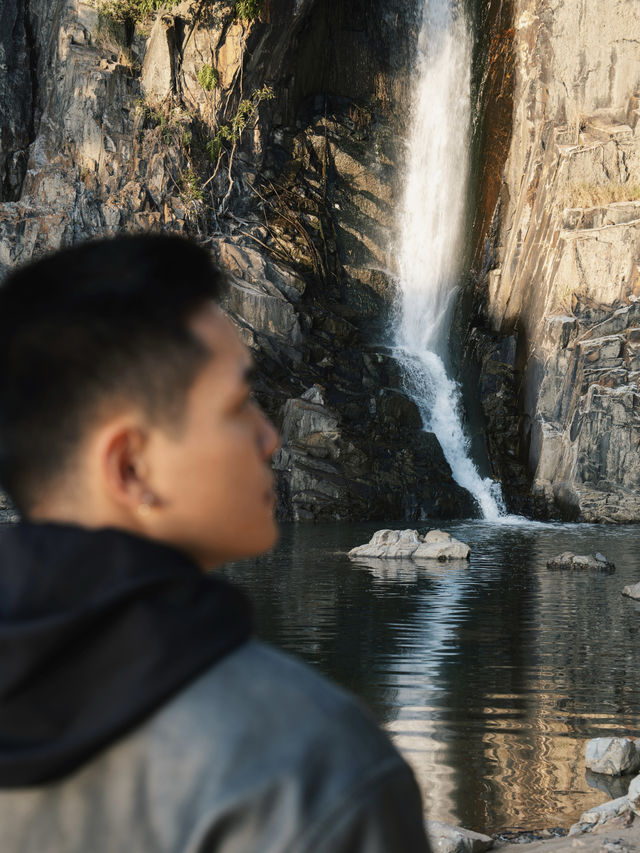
{"x":124,"y":464}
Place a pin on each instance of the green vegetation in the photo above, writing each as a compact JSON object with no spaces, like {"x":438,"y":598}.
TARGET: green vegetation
{"x":248,"y":10}
{"x":233,"y":131}
{"x":174,"y":123}
{"x":584,"y":195}
{"x":132,"y":10}
{"x":191,"y":191}
{"x":208,"y":77}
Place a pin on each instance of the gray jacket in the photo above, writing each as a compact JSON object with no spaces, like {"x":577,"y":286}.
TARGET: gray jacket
{"x":258,"y":755}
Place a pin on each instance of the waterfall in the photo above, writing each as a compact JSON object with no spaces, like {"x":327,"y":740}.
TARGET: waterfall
{"x":431,"y":236}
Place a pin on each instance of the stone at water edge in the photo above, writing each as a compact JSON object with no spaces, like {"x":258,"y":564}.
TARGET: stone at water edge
{"x":600,"y":814}
{"x":398,"y":544}
{"x":612,"y":755}
{"x":454,"y":839}
{"x":632,"y":591}
{"x":612,"y":786}
{"x":569,"y":560}
{"x":633,"y":795}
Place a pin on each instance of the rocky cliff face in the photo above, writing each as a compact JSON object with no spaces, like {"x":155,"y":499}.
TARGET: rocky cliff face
{"x":274,"y":142}
{"x":557,"y":315}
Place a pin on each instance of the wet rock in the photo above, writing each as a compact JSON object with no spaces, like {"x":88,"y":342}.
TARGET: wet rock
{"x":496,"y":394}
{"x":580,"y":562}
{"x":435,"y":545}
{"x":454,"y":839}
{"x":632,"y":591}
{"x":612,"y":755}
{"x":599,"y":815}
{"x":439,"y":545}
{"x":16,"y":94}
{"x":525,"y":836}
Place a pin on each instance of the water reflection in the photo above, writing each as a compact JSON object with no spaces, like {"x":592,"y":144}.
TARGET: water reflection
{"x":490,"y":675}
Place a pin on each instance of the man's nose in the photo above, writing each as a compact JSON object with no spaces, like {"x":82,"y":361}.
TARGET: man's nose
{"x":269,"y":437}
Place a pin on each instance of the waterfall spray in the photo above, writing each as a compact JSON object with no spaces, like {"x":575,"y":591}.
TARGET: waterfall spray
{"x":431,"y":242}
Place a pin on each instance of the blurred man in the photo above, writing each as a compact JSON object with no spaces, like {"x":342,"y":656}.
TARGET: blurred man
{"x":136,"y":711}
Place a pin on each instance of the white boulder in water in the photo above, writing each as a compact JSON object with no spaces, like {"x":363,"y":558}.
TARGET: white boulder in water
{"x":435,"y":545}
{"x":612,"y":755}
{"x":632,"y":591}
{"x":569,"y":560}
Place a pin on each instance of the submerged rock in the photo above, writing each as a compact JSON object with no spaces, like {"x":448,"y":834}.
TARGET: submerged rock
{"x":612,"y":755}
{"x":455,"y":839}
{"x":632,"y":591}
{"x":612,"y":786}
{"x":569,"y":560}
{"x":398,"y":544}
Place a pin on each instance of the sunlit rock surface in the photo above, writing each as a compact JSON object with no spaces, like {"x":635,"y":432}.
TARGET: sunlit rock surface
{"x":560,"y":265}
{"x":612,"y":755}
{"x":601,"y":815}
{"x":632,"y":591}
{"x":399,"y":544}
{"x":634,"y":795}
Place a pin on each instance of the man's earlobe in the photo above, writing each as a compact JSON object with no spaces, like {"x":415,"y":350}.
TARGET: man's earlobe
{"x":146,"y":504}
{"x":125,"y":466}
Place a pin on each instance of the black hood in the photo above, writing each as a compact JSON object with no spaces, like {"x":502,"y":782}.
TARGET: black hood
{"x":97,"y":629}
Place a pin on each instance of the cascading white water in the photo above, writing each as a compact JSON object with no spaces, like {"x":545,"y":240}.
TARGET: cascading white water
{"x":431,"y":232}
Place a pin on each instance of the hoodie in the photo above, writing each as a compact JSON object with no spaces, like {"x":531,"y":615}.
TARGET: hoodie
{"x":98,"y":628}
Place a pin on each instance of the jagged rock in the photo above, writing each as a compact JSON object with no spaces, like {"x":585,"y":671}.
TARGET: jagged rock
{"x":389,"y":543}
{"x":612,"y":755}
{"x":158,"y":70}
{"x":580,"y":562}
{"x":599,"y":815}
{"x":454,"y":839}
{"x":633,"y":795}
{"x":16,"y":96}
{"x":563,"y":259}
{"x":632,"y":591}
{"x":398,"y":544}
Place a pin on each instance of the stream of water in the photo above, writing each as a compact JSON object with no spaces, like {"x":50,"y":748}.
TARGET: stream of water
{"x":431,"y":236}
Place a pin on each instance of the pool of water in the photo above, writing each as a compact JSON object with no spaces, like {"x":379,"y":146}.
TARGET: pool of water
{"x":489,"y":675}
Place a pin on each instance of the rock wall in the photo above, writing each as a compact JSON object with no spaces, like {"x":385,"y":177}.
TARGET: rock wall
{"x":563,"y":254}
{"x":275,"y":143}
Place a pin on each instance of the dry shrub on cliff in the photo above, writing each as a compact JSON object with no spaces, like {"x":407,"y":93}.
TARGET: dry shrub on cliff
{"x":583,"y":195}
{"x":132,"y":10}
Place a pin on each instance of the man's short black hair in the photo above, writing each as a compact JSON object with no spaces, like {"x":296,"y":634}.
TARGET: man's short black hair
{"x":85,"y":328}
